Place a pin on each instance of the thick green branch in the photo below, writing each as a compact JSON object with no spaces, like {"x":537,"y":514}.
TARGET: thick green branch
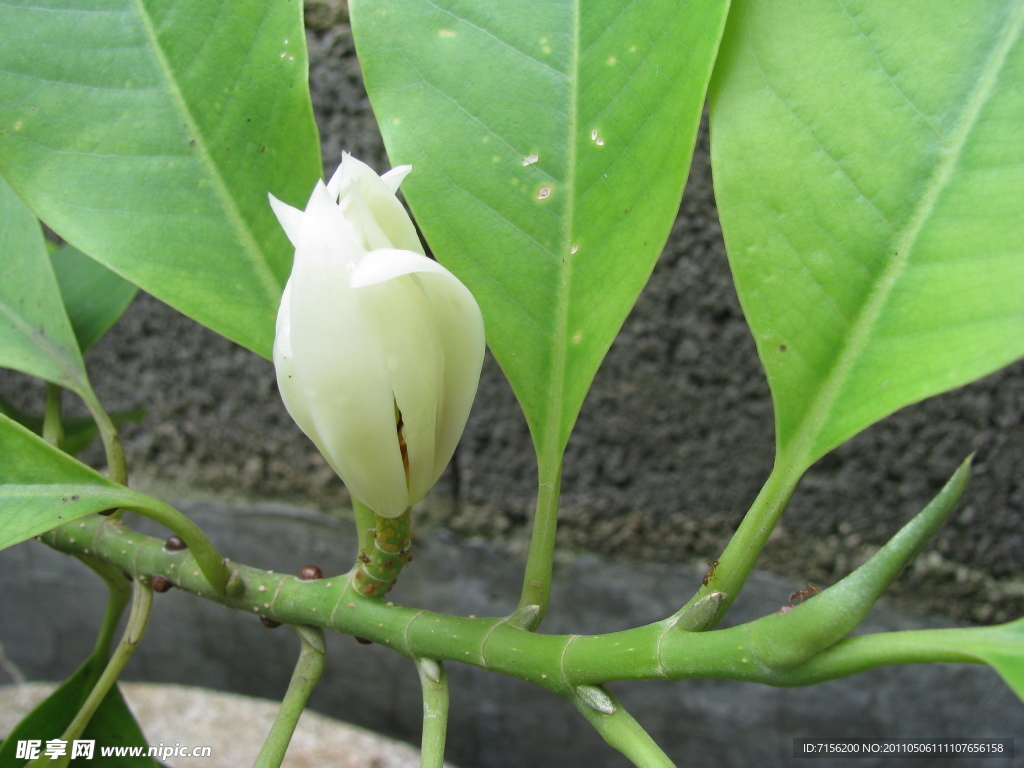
{"x":655,"y":651}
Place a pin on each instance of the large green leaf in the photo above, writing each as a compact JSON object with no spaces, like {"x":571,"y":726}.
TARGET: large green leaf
{"x":94,"y":297}
{"x":113,"y":724}
{"x":149,"y":133}
{"x":869,"y":172}
{"x":42,"y":487}
{"x":550,"y":141}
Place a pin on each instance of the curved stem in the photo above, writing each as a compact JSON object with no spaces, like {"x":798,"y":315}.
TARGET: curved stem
{"x":434,"y":682}
{"x":118,"y":592}
{"x":539,"y":561}
{"x":142,"y":602}
{"x":622,"y":732}
{"x":117,"y":470}
{"x":207,"y":557}
{"x":307,"y":672}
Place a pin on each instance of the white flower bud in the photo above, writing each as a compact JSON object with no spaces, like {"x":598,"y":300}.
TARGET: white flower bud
{"x":379,"y":348}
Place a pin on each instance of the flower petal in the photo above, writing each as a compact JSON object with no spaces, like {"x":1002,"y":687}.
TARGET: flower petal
{"x":290,"y":219}
{"x":388,"y":263}
{"x":384,"y":208}
{"x":395,"y":177}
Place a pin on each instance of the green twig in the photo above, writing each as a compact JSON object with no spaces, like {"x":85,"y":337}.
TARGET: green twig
{"x":53,"y":425}
{"x":117,"y":469}
{"x":142,"y":602}
{"x":307,"y":672}
{"x":539,"y":561}
{"x":434,"y":682}
{"x":207,"y":557}
{"x":118,"y":592}
{"x":737,"y":561}
{"x":618,"y":728}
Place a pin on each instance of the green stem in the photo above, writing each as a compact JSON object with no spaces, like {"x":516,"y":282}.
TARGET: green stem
{"x":655,"y":651}
{"x":381,"y":562}
{"x":737,"y":560}
{"x":366,"y":519}
{"x":434,"y":682}
{"x":540,"y":560}
{"x":859,"y":654}
{"x":117,"y":470}
{"x":207,"y":557}
{"x":53,"y":425}
{"x":118,"y":592}
{"x":142,"y":602}
{"x":622,"y":732}
{"x":307,"y":672}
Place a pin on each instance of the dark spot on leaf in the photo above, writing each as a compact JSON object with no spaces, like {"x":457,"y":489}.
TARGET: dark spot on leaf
{"x":192,"y":143}
{"x":783,"y":347}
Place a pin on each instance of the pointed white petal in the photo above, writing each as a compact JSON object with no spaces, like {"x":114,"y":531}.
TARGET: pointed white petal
{"x":290,"y":219}
{"x":394,"y":178}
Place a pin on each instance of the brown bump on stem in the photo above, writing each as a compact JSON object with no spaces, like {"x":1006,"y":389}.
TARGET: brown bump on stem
{"x":127,"y":575}
{"x":362,"y":640}
{"x":160,"y":583}
{"x":107,"y":512}
{"x":310,"y":573}
{"x":175,"y":544}
{"x":269,"y":623}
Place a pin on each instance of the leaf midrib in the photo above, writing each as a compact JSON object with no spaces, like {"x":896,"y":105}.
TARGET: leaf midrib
{"x":239,"y":224}
{"x":555,"y":436}
{"x":809,"y":428}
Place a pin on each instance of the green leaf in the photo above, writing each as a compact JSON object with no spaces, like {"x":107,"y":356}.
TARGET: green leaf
{"x":113,"y":725}
{"x":94,"y":297}
{"x":550,"y":142}
{"x":869,"y":172}
{"x":42,"y":487}
{"x":35,"y":335}
{"x":149,"y":134}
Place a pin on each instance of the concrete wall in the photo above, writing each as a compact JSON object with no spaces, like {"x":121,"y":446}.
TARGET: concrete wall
{"x":671,"y":447}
